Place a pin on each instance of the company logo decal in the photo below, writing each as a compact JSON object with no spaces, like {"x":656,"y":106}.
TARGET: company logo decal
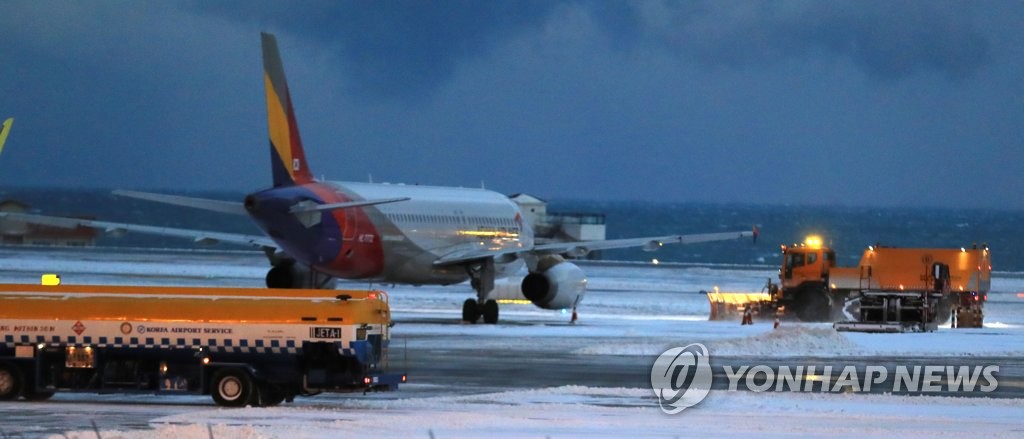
{"x":681,"y":377}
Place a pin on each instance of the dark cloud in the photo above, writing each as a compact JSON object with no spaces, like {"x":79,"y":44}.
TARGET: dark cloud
{"x":709,"y":101}
{"x":408,"y":48}
{"x":895,"y":39}
{"x":396,"y":48}
{"x":886,"y":39}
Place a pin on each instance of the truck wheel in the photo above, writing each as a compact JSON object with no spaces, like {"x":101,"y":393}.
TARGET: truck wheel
{"x":232,"y":388}
{"x":10,"y":382}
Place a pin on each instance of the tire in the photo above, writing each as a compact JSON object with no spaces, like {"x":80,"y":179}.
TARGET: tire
{"x":270,"y":395}
{"x":490,"y":312}
{"x":232,"y":387}
{"x":470,"y":311}
{"x":10,"y":382}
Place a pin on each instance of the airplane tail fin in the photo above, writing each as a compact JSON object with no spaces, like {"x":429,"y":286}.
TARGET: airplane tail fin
{"x":4,"y":130}
{"x":287,"y":159}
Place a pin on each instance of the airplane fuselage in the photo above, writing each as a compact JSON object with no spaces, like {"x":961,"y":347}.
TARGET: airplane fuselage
{"x":395,"y":242}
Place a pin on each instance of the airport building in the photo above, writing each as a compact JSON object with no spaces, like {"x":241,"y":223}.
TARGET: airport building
{"x":19,"y":233}
{"x":558,"y":226}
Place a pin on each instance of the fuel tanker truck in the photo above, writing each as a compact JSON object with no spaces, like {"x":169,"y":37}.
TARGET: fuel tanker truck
{"x":891,"y":289}
{"x":242,"y":346}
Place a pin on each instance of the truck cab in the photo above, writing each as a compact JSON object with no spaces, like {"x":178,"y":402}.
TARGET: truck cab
{"x":806,"y":262}
{"x":803,"y":278}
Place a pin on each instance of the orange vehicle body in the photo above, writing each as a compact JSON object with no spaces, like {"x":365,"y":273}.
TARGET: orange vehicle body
{"x":812,"y":287}
{"x":892,"y":268}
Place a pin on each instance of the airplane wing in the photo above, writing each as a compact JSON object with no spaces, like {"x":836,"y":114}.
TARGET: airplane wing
{"x":198,"y":236}
{"x":239,"y":209}
{"x":581,"y":248}
{"x":313,"y":207}
{"x":178,"y":200}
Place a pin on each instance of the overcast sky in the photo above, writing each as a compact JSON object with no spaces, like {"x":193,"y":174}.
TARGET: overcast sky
{"x":868,"y":103}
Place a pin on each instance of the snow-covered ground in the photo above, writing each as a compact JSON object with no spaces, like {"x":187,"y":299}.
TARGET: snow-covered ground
{"x":629,"y":311}
{"x":655,"y":308}
{"x":586,"y":412}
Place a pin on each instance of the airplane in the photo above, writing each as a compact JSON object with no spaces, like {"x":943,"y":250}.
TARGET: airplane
{"x":316,"y":231}
{"x":4,"y":131}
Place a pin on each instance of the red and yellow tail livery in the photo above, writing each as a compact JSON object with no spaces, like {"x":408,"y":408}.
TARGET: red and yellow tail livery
{"x":288,"y":160}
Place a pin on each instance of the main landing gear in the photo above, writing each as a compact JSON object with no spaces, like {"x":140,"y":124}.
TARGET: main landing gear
{"x":481,"y":277}
{"x":472,"y":310}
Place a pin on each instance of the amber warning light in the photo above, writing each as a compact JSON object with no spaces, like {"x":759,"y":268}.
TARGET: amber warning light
{"x":51,"y":279}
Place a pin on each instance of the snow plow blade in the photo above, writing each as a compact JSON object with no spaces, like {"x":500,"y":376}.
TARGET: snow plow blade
{"x":726,"y":306}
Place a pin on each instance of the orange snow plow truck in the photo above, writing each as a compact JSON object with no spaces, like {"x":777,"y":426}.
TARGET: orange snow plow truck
{"x":892,"y":289}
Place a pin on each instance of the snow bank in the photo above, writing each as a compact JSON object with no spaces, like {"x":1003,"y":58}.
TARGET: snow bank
{"x":789,"y":340}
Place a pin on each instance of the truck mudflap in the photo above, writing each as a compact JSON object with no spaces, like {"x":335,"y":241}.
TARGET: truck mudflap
{"x":968,"y":318}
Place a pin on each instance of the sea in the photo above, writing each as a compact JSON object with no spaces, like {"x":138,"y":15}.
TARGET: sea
{"x":846,"y":229}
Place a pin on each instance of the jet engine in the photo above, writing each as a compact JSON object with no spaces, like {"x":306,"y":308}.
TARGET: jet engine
{"x":292,"y":274}
{"x":556,"y":284}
